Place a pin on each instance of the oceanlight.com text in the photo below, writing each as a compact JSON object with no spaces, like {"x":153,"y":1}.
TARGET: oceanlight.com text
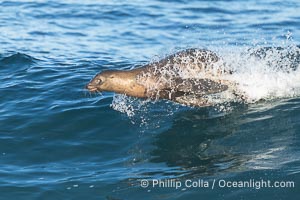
{"x":214,"y":183}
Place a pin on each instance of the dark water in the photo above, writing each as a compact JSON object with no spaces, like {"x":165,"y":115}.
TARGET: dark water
{"x":58,"y":141}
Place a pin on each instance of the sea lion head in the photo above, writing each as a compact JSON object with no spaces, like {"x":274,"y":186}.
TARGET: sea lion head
{"x":118,"y":81}
{"x":101,"y":82}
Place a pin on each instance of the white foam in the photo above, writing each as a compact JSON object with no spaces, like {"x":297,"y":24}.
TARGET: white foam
{"x":268,"y":85}
{"x":123,"y":104}
{"x":265,"y":78}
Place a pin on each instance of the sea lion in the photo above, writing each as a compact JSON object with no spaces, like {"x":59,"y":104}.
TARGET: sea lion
{"x":187,"y":77}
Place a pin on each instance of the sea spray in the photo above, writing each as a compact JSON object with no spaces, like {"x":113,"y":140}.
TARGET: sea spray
{"x":265,"y":73}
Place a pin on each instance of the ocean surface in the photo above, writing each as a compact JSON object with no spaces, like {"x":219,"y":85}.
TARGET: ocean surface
{"x":59,"y":141}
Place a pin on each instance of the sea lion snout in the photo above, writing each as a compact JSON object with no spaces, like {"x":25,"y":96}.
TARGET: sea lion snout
{"x":95,"y":84}
{"x":91,"y":87}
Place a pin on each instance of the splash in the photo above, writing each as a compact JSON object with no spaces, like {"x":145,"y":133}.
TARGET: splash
{"x":145,"y":112}
{"x":265,"y":73}
{"x":124,"y":104}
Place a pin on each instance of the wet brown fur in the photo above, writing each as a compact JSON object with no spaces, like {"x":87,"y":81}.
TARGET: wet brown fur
{"x":134,"y":83}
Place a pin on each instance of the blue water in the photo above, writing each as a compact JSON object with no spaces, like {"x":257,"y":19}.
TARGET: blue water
{"x":58,"y":141}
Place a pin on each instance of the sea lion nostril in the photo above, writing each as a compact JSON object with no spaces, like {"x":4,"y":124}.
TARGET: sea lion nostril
{"x":90,"y":86}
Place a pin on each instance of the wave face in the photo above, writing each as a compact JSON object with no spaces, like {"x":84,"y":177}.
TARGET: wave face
{"x":58,"y":141}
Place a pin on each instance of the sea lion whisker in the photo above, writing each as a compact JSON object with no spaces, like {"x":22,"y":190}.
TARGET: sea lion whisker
{"x":91,"y":94}
{"x":86,"y":93}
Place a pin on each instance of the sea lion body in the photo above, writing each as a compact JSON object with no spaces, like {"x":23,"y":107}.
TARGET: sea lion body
{"x":186,"y":77}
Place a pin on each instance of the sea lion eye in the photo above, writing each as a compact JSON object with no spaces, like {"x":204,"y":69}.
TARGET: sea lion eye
{"x":98,"y":81}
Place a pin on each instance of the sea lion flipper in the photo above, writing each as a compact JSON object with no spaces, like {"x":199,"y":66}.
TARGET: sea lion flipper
{"x":199,"y":86}
{"x":193,"y":100}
